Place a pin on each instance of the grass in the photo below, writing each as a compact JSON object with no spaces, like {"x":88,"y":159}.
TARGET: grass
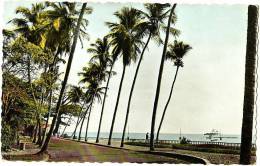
{"x":72,"y":151}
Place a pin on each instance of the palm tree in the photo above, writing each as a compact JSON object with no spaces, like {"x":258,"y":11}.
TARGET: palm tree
{"x":75,"y":96}
{"x":100,"y":51}
{"x":175,"y":53}
{"x":76,"y":34}
{"x":159,"y":79}
{"x":156,"y":15}
{"x":249,"y":92}
{"x":125,"y":42}
{"x":95,"y":92}
{"x":93,"y":75}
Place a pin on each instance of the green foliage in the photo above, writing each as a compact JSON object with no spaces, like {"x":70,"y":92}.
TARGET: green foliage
{"x":70,"y":109}
{"x":7,"y":136}
{"x":184,"y":140}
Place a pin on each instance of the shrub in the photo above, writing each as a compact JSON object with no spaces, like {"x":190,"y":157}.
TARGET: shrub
{"x":7,"y":136}
{"x":184,"y":140}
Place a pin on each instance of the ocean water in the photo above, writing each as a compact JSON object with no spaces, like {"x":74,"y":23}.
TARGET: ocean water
{"x":164,"y":136}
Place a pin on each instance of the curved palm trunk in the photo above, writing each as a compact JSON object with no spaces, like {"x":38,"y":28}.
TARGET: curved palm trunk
{"x":49,"y":114}
{"x":86,"y":133}
{"x":57,"y":125}
{"x":103,"y":105}
{"x":66,"y":125}
{"x":78,"y":122}
{"x":249,"y":91}
{"x":57,"y":109}
{"x":167,"y":103}
{"x":159,"y":80}
{"x":117,"y":101}
{"x":83,"y":119}
{"x":132,"y":89}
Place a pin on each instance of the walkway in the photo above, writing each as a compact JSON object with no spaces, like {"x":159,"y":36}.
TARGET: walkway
{"x":67,"y":150}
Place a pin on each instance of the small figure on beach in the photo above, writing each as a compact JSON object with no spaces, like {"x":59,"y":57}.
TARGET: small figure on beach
{"x":146,"y":137}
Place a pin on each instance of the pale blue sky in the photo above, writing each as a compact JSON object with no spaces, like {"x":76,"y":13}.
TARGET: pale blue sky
{"x":209,"y":89}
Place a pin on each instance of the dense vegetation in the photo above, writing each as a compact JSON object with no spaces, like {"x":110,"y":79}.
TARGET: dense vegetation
{"x":44,"y":37}
{"x":37,"y":44}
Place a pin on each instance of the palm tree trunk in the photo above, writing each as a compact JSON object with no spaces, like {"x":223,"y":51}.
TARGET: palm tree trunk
{"x":167,"y":103}
{"x":66,"y":125}
{"x":117,"y":101}
{"x":249,"y":91}
{"x":57,"y":125}
{"x":132,"y":89}
{"x":103,"y":104}
{"x":86,"y":133}
{"x":159,"y":80}
{"x":76,"y":34}
{"x":48,"y":117}
{"x":78,"y":122}
{"x":83,"y":119}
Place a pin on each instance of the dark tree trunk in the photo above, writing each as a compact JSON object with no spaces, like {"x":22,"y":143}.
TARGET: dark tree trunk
{"x":159,"y":80}
{"x":117,"y":101}
{"x":39,"y":133}
{"x":167,"y":103}
{"x":57,"y":109}
{"x":132,"y":89}
{"x":83,"y":119}
{"x":103,"y":104}
{"x":249,"y":91}
{"x":48,"y":117}
{"x":86,"y":133}
{"x":56,"y":129}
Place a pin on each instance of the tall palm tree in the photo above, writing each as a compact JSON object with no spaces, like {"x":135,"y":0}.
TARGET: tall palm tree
{"x":249,"y":91}
{"x":75,"y":96}
{"x":100,"y":51}
{"x":155,"y":16}
{"x":93,"y":75}
{"x":125,"y":42}
{"x":76,"y":34}
{"x":159,"y":79}
{"x":95,"y":92}
{"x":175,"y":53}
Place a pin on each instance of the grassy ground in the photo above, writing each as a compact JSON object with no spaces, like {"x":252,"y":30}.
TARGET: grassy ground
{"x":71,"y":151}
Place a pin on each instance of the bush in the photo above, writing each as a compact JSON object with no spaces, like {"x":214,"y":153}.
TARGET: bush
{"x":7,"y":136}
{"x":184,"y":140}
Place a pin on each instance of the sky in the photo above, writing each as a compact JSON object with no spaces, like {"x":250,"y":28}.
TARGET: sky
{"x":208,"y":93}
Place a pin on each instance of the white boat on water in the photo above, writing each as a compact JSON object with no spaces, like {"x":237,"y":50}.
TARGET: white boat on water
{"x":215,"y":135}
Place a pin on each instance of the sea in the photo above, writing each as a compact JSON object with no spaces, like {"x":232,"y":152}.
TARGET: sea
{"x":228,"y":138}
